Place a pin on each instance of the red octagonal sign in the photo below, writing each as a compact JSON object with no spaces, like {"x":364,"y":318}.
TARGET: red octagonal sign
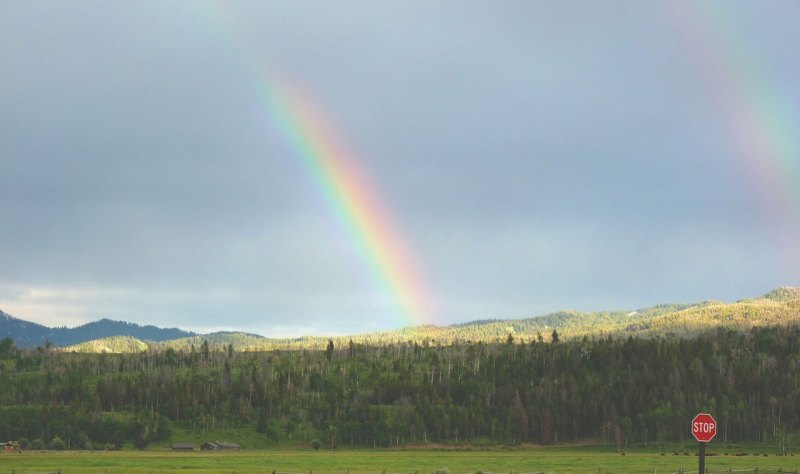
{"x":704,"y":427}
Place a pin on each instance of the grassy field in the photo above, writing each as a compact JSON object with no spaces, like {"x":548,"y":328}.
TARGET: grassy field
{"x":423,"y":461}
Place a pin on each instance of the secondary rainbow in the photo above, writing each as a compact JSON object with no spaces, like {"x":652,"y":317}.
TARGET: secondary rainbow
{"x":758,"y":110}
{"x":337,"y":175}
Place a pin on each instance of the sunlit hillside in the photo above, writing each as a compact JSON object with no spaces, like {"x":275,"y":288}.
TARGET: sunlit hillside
{"x":778,"y":307}
{"x":110,"y":345}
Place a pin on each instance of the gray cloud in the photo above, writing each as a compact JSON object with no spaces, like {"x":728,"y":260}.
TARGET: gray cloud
{"x":534,"y":156}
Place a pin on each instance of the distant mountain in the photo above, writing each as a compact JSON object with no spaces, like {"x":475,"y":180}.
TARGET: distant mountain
{"x":23,"y":333}
{"x":28,"y":334}
{"x":778,"y":307}
{"x":106,"y":328}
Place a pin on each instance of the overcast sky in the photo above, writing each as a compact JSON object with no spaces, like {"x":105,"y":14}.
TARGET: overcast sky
{"x":532,"y":156}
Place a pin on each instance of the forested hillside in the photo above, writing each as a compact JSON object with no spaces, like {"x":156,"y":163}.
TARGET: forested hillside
{"x":616,"y":390}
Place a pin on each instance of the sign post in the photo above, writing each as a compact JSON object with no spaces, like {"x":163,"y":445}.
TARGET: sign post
{"x":704,"y":428}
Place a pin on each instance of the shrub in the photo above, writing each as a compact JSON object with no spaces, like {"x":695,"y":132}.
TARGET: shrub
{"x":57,"y":444}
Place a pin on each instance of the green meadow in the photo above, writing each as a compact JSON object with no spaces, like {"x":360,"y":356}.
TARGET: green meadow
{"x":362,"y":461}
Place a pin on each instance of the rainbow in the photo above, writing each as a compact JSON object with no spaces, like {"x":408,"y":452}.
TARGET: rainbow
{"x":339,"y":177}
{"x":754,"y":108}
{"x":351,"y":197}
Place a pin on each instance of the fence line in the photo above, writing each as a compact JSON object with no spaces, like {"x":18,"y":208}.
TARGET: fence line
{"x":756,"y":470}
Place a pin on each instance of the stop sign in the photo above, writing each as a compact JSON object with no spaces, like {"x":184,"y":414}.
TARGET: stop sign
{"x":704,"y":427}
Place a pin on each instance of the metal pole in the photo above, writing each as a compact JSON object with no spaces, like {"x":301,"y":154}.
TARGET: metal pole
{"x":702,"y":457}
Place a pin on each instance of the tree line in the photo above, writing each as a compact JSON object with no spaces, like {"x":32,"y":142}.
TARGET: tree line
{"x":619,"y":391}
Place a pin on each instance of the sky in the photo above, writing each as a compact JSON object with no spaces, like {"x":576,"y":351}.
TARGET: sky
{"x":295,"y":168}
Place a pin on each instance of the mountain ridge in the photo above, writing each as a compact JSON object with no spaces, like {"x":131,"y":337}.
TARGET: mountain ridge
{"x":779,"y":306}
{"x":27,"y":334}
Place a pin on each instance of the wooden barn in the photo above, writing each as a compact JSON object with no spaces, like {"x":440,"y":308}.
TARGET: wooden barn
{"x":10,"y":447}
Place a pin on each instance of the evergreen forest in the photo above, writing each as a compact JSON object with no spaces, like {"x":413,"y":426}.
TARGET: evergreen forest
{"x":612,"y":390}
